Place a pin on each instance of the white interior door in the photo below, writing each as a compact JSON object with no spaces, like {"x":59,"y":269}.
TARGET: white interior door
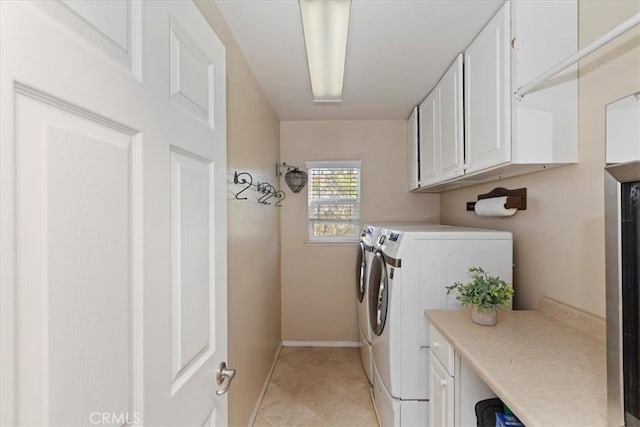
{"x":112,"y":214}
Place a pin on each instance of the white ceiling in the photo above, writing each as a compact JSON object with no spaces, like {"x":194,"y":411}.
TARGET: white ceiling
{"x":397,"y":51}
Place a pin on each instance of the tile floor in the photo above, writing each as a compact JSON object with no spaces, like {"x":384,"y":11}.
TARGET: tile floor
{"x":317,"y":387}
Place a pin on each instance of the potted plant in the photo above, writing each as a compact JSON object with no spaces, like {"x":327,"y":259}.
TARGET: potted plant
{"x":485,"y":294}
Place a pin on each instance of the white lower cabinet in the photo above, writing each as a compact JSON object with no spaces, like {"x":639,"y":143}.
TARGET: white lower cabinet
{"x":454,"y":387}
{"x":441,"y":388}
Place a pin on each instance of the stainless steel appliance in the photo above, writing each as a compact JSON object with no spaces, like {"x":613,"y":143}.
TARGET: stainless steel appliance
{"x":622,"y":244}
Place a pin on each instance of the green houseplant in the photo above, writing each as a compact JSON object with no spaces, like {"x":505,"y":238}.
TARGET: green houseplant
{"x":485,"y":294}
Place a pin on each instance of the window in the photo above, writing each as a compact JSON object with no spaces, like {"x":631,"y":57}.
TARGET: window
{"x":334,"y":200}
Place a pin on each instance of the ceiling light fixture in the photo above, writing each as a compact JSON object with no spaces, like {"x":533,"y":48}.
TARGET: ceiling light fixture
{"x":325,"y":24}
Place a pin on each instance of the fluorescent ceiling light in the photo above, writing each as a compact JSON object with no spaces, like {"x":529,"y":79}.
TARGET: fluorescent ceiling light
{"x":325,"y":24}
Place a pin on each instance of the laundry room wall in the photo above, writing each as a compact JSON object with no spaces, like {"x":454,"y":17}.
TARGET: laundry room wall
{"x":559,"y":239}
{"x":318,"y":280}
{"x":253,"y":140}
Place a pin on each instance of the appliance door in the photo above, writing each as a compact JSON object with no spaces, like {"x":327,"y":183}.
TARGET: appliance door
{"x":622,"y":244}
{"x":378,"y":293}
{"x":361,"y":268}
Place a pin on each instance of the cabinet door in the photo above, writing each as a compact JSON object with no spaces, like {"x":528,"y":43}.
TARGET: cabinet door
{"x":451,"y":153}
{"x":412,"y":149}
{"x":487,"y":95}
{"x":429,"y":136}
{"x":441,"y":389}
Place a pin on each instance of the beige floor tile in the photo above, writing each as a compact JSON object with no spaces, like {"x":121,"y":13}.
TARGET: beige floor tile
{"x":317,"y":421}
{"x":349,"y":383}
{"x":284,"y":373}
{"x":344,"y":355}
{"x":295,"y":381}
{"x":347,"y":413}
{"x":319,"y":396}
{"x":317,"y":387}
{"x":297,"y":358}
{"x":273,"y":395}
{"x":261,"y":422}
{"x":317,"y":371}
{"x":362,"y":396}
{"x":287,"y":413}
{"x":342,"y":370}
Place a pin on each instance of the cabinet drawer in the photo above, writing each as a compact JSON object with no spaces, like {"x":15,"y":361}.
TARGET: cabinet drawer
{"x":442,"y":349}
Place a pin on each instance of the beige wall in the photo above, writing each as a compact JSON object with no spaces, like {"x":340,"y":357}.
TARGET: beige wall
{"x":318,"y":281}
{"x":253,"y":141}
{"x":559,"y":239}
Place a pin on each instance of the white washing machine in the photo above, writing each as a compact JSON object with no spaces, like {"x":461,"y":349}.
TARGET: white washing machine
{"x":408,"y":275}
{"x":368,"y":237}
{"x":369,"y":243}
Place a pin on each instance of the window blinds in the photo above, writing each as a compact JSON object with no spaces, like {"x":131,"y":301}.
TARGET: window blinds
{"x":334,"y":200}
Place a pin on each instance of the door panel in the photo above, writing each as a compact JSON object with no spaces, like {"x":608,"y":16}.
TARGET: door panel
{"x":191,"y":75}
{"x":74,"y":264}
{"x":113,"y":28}
{"x":193,"y":284}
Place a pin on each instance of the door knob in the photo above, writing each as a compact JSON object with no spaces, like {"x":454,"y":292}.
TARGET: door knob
{"x":224,"y":373}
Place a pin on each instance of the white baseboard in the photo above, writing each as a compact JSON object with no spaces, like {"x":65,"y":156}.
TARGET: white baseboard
{"x":321,"y":343}
{"x":256,"y":408}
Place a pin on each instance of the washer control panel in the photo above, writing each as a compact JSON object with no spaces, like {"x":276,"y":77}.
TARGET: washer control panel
{"x":390,"y":242}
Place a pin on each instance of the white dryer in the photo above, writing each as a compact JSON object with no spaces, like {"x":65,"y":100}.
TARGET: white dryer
{"x":368,"y":244}
{"x":408,"y":275}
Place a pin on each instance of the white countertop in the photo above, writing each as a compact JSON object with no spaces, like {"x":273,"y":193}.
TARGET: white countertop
{"x":548,"y":373}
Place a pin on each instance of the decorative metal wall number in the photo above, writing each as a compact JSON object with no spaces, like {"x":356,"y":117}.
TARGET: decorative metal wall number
{"x":266,"y":190}
{"x":239,"y":178}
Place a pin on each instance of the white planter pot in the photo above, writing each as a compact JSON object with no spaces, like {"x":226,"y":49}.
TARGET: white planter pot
{"x":484,"y":318}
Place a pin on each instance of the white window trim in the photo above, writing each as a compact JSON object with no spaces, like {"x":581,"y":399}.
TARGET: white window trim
{"x":335,"y":239}
{"x":335,"y":164}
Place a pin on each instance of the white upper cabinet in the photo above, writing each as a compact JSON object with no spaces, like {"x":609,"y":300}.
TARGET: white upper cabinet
{"x":451,"y":153}
{"x":429,"y":138}
{"x":487,"y":95}
{"x":412,"y":149}
{"x":544,"y":124}
{"x":623,"y":130}
{"x":505,"y":135}
{"x":441,"y":129}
